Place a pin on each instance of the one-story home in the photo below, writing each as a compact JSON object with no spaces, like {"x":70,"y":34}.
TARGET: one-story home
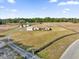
{"x":32,"y":28}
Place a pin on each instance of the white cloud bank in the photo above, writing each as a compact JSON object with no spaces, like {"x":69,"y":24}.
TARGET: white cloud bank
{"x":53,"y":0}
{"x":11,"y":1}
{"x":69,"y":3}
{"x":67,"y":9}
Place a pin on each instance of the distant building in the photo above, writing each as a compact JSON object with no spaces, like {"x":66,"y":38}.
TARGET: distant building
{"x":22,"y":26}
{"x":35,"y":28}
{"x":25,"y":25}
{"x":29,"y":28}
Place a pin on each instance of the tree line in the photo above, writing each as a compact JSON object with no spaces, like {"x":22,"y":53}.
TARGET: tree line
{"x":47,"y":19}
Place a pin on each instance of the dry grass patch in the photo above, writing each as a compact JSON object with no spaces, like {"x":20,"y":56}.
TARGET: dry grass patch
{"x":38,"y":38}
{"x":56,"y":49}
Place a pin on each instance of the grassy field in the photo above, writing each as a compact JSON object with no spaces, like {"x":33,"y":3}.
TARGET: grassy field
{"x":56,"y":49}
{"x":36,"y":39}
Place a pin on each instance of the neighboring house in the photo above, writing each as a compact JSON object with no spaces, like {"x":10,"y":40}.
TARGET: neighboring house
{"x":22,"y":26}
{"x":27,"y":25}
{"x":35,"y":28}
{"x":47,"y":28}
{"x":30,"y":28}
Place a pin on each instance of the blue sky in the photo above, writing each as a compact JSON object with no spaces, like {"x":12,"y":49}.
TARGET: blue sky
{"x":39,"y":8}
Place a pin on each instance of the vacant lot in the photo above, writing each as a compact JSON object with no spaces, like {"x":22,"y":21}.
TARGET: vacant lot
{"x":36,"y":39}
{"x":72,"y":26}
{"x":6,"y":27}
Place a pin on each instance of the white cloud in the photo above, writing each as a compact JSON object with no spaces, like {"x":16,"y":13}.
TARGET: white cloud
{"x":1,"y":7}
{"x":53,"y":0}
{"x":69,"y":3}
{"x":11,"y":1}
{"x":66,"y":10}
{"x":13,"y":10}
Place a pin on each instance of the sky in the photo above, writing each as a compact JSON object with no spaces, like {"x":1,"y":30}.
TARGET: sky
{"x":39,"y":8}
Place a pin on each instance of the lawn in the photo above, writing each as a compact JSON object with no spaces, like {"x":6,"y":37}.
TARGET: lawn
{"x":37,"y":39}
{"x":55,"y":50}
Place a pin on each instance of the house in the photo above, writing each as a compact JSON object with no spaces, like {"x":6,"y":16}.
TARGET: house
{"x":38,"y":28}
{"x":22,"y":26}
{"x":47,"y":28}
{"x":35,"y":28}
{"x":29,"y":28}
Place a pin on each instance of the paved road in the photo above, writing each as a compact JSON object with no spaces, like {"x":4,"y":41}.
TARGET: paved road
{"x":72,"y":51}
{"x":22,"y":52}
{"x":7,"y":53}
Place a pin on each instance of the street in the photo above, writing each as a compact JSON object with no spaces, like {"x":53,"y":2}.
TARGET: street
{"x":72,"y":52}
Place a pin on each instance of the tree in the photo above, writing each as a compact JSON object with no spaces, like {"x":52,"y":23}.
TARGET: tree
{"x":22,"y":22}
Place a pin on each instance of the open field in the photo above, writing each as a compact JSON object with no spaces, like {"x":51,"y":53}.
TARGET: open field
{"x":56,"y":50}
{"x":72,"y":26}
{"x":36,"y":39}
{"x":7,"y":27}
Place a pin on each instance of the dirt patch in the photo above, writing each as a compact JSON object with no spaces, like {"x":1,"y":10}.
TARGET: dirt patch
{"x":6,"y":27}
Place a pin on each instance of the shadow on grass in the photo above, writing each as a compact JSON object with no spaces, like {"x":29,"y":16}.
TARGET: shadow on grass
{"x":2,"y":35}
{"x":25,"y":47}
{"x":50,"y":43}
